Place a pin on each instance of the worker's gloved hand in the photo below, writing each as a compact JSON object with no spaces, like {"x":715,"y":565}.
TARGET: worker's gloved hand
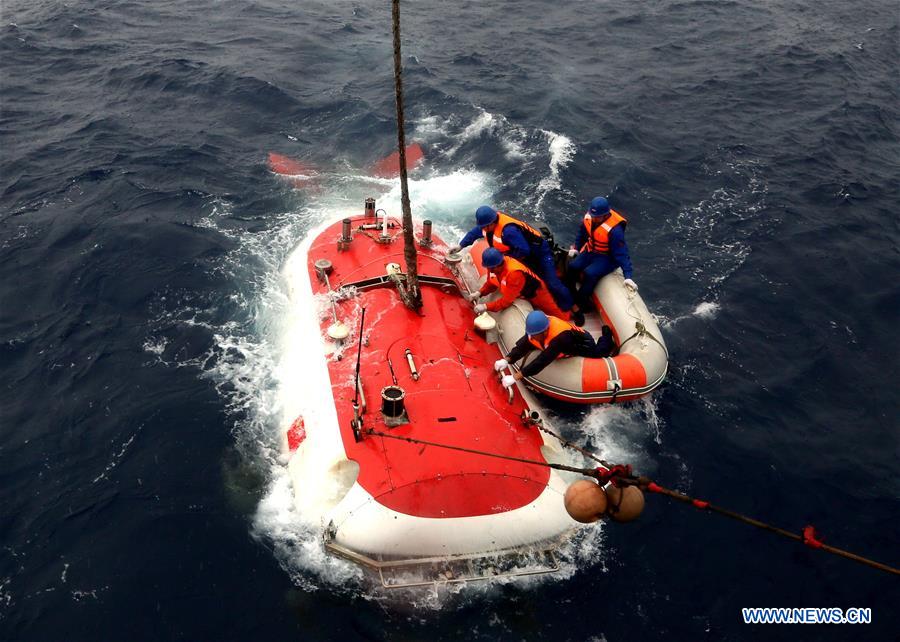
{"x":480,"y":308}
{"x":572,"y":252}
{"x":631,"y":284}
{"x":456,"y":249}
{"x":500,"y":364}
{"x":508,"y":381}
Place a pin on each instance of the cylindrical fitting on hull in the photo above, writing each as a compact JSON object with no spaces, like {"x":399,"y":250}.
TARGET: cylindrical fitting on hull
{"x":323,"y":269}
{"x":412,"y":365}
{"x":370,"y":207}
{"x":392,"y":406}
{"x":426,"y":233}
{"x":345,"y":230}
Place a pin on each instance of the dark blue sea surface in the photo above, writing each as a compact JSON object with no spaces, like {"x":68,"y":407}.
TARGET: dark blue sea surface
{"x":752,"y":145}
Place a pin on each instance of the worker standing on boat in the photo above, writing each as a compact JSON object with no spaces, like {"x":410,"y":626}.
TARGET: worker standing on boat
{"x":514,"y":280}
{"x":522,"y":242}
{"x":555,"y":338}
{"x":601,"y":248}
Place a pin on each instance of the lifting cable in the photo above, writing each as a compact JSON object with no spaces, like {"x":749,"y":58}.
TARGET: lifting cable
{"x":620,"y":475}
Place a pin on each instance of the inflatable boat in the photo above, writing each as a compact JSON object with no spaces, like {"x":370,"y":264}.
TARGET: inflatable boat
{"x":638,"y":366}
{"x":409,"y":402}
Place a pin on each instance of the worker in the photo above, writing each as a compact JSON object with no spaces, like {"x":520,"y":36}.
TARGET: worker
{"x":601,"y":248}
{"x":554,"y":338}
{"x":514,"y":280}
{"x":520,"y":241}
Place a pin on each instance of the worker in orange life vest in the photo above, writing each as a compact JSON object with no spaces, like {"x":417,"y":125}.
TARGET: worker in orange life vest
{"x":514,"y":280}
{"x":555,"y":339}
{"x":522,"y":242}
{"x":599,"y":249}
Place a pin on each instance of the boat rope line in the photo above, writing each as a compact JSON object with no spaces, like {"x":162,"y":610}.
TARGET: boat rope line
{"x":622,"y":475}
{"x":640,"y":330}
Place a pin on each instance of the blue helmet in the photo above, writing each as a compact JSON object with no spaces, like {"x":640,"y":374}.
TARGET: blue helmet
{"x":491,"y":258}
{"x":599,"y":207}
{"x":485,"y":215}
{"x":536,"y":322}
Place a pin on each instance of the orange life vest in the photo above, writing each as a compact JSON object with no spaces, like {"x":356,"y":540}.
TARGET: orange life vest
{"x":532,"y":281}
{"x":598,"y":236}
{"x":495,"y":238}
{"x":557,"y":327}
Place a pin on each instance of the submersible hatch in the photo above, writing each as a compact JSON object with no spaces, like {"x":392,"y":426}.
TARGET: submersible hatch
{"x":392,"y":407}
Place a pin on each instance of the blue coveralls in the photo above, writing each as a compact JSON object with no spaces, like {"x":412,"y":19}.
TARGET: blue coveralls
{"x":595,"y":265}
{"x":538,"y":257}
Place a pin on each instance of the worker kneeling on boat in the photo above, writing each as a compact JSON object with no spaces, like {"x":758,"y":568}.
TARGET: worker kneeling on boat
{"x":602,"y":249}
{"x":555,"y":339}
{"x":518,"y":240}
{"x":514,"y":280}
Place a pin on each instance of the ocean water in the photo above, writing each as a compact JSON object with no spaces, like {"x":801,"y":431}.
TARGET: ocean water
{"x":752,"y":145}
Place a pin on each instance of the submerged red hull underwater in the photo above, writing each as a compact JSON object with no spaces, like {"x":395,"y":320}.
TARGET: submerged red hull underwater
{"x":397,"y":505}
{"x":303,"y":174}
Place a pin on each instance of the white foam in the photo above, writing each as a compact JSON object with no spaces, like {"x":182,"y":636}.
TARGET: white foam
{"x":485,"y":122}
{"x":431,"y":128}
{"x":513,"y":138}
{"x":615,"y":432}
{"x":707,"y":310}
{"x":520,"y":144}
{"x":155,"y":346}
{"x":450,"y":198}
{"x":6,"y":596}
{"x":515,"y":148}
{"x":561,"y":150}
{"x":297,"y":540}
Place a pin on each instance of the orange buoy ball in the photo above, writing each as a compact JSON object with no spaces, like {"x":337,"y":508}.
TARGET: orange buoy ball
{"x":585,"y":501}
{"x":624,"y":504}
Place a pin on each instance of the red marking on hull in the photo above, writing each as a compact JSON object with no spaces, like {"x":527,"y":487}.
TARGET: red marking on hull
{"x":296,"y":434}
{"x":389,"y":167}
{"x":457,"y":400}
